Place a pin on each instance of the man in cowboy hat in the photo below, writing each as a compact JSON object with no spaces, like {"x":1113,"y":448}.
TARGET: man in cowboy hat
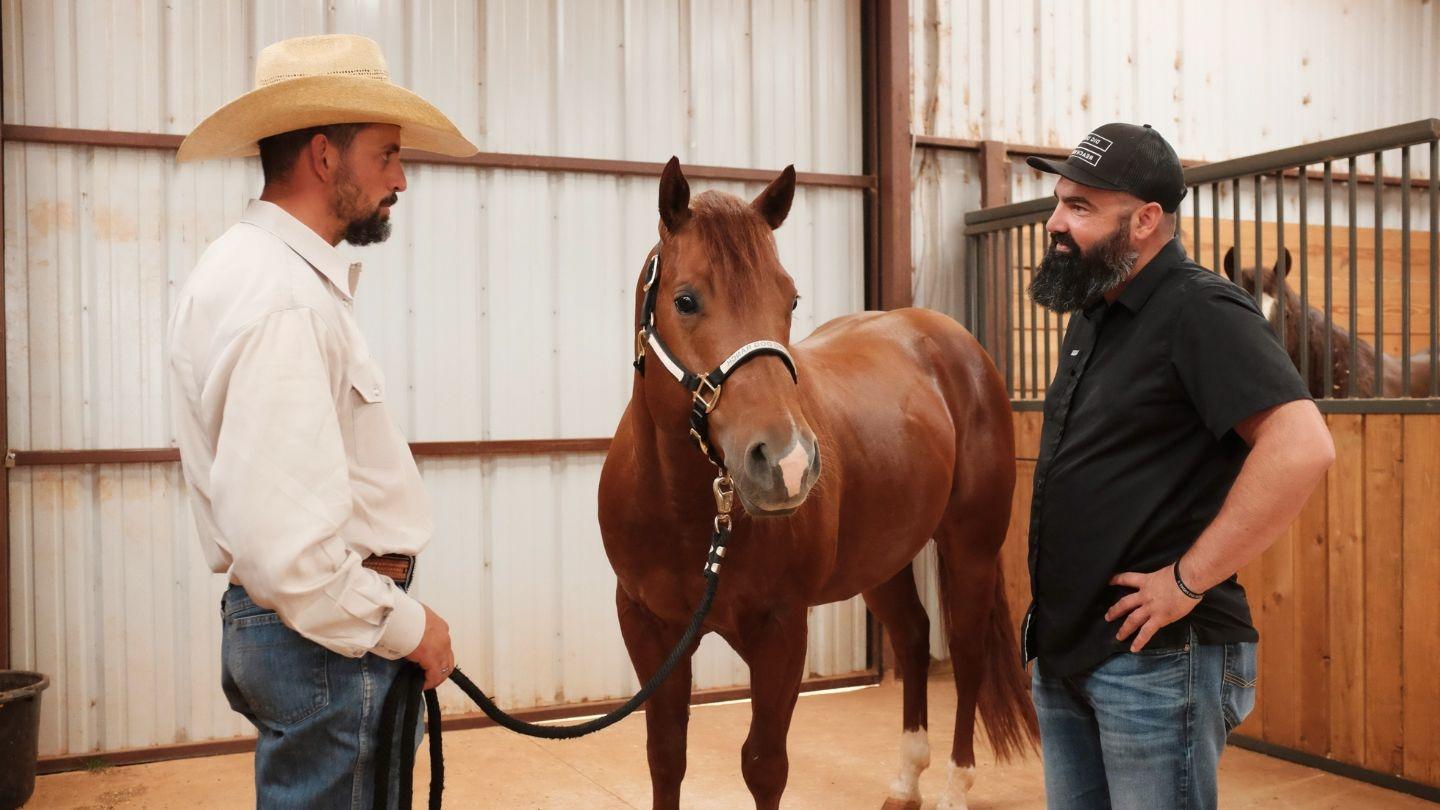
{"x":1178,"y":442}
{"x":304,"y":492}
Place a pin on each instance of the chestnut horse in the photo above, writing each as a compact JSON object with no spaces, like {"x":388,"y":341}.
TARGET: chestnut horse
{"x":895,"y":429}
{"x":1369,"y":364}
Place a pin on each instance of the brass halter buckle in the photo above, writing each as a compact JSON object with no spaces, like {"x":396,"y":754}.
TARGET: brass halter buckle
{"x":724,"y":489}
{"x":714,"y":392}
{"x":640,"y":344}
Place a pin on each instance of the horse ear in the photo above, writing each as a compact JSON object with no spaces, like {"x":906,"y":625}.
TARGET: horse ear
{"x":1283,"y":264}
{"x":773,"y":204}
{"x":674,"y":196}
{"x":1230,"y":263}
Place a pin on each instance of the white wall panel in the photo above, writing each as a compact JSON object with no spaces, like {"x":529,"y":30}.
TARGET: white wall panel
{"x":500,"y":308}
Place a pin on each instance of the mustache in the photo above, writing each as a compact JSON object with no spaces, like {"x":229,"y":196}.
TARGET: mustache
{"x":1064,"y":239}
{"x":390,"y":201}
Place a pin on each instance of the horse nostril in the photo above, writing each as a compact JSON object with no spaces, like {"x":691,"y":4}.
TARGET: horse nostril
{"x":757,"y":455}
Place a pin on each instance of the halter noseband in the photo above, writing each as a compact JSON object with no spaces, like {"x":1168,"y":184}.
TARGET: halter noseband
{"x":704,"y":389}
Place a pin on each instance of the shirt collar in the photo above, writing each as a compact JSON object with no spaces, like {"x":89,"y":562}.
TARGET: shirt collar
{"x":1149,"y":277}
{"x":321,"y":255}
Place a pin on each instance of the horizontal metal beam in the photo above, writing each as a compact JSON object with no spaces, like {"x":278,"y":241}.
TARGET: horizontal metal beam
{"x":1345,"y":769}
{"x":1362,"y":406}
{"x":161,"y":455}
{"x":241,"y":745}
{"x":64,"y":136}
{"x":1003,"y":216}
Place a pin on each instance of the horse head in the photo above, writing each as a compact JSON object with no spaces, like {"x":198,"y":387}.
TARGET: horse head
{"x":721,"y":288}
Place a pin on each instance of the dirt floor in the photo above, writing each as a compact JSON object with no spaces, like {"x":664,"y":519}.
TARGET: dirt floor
{"x":843,"y":749}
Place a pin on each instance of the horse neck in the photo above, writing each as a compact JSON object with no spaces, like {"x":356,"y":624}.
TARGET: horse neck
{"x":674,"y":469}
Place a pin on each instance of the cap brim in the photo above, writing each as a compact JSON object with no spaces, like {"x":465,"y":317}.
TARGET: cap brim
{"x":312,"y":101}
{"x":1071,"y":171}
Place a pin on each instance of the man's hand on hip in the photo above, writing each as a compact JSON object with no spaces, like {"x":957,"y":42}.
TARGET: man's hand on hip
{"x":433,"y":653}
{"x":1157,"y":601}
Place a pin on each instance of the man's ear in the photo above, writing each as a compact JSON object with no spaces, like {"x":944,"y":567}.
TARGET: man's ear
{"x":1146,"y":220}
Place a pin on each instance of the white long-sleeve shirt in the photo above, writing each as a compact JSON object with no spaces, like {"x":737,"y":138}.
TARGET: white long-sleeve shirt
{"x":296,"y":471}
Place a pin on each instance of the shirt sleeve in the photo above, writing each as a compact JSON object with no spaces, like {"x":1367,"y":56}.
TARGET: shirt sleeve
{"x":1229,"y":360}
{"x":280,"y":491}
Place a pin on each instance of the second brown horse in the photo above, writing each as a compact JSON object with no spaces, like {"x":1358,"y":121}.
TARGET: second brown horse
{"x":898,"y":431}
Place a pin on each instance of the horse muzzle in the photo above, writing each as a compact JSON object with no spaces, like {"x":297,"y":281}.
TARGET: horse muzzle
{"x":776,"y":476}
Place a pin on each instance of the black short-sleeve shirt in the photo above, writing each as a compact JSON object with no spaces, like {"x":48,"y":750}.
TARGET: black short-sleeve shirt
{"x":1138,"y":452}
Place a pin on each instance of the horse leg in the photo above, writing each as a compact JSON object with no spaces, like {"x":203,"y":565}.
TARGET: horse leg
{"x":667,"y":713}
{"x":896,"y":603}
{"x":774,"y":645}
{"x":969,"y":568}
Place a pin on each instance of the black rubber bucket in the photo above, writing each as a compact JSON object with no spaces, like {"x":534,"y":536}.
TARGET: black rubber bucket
{"x":19,"y":734}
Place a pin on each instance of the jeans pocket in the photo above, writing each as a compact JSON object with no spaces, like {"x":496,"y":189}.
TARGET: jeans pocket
{"x":282,"y":677}
{"x":1237,"y":692}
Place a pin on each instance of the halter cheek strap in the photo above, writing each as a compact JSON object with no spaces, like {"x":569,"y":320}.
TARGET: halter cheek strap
{"x":704,"y":388}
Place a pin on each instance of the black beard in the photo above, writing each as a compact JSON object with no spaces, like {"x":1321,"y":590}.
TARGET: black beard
{"x":368,"y":230}
{"x":1066,"y":282}
{"x":361,"y":227}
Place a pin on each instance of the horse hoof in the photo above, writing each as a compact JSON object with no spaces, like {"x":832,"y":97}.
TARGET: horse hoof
{"x":900,"y":804}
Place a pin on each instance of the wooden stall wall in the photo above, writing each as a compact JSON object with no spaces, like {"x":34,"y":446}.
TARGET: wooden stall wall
{"x":1345,"y":600}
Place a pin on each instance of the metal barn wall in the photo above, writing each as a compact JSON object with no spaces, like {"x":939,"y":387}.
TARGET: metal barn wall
{"x":1219,"y":79}
{"x":500,"y":309}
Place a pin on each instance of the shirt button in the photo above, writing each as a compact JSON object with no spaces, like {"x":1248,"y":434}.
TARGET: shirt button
{"x":375,"y":392}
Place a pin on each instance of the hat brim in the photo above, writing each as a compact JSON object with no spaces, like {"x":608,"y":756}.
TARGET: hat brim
{"x":313,"y":101}
{"x":1071,"y":171}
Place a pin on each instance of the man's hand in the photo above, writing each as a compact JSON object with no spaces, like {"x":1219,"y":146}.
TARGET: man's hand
{"x":1157,"y":601}
{"x":433,"y":653}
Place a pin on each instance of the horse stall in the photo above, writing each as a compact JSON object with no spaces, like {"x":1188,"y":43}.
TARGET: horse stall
{"x":1334,"y":239}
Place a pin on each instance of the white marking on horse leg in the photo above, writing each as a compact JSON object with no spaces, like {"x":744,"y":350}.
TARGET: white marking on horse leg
{"x":1267,"y":305}
{"x":914,"y":758}
{"x":958,"y":782}
{"x":792,"y":468}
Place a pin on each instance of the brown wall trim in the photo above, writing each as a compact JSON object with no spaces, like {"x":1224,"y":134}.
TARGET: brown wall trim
{"x":240,"y":745}
{"x":893,"y":143}
{"x":64,"y":136}
{"x":162,"y":455}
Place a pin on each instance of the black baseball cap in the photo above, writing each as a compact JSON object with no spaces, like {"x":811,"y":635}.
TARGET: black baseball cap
{"x":1124,"y":157}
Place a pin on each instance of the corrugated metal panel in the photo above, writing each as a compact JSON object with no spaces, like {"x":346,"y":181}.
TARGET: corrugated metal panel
{"x":501,"y":306}
{"x":1219,"y":79}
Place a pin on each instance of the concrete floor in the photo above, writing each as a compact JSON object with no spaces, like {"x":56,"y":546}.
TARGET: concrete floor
{"x":843,"y":749}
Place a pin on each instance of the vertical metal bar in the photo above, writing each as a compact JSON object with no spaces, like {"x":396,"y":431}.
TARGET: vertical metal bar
{"x":1327,"y":185}
{"x":1034,"y":322}
{"x":1235,"y":226}
{"x":1215,"y":226}
{"x":1435,"y":268}
{"x":1018,"y":305}
{"x":1352,"y":192}
{"x":1405,"y":271}
{"x":1282,"y":286}
{"x":1195,"y":224}
{"x":1008,"y":307}
{"x":1259,"y":241}
{"x":1380,"y":352}
{"x":1304,"y":275}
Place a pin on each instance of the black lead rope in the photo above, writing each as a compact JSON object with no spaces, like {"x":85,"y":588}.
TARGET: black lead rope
{"x":403,"y":697}
{"x":705,"y":394}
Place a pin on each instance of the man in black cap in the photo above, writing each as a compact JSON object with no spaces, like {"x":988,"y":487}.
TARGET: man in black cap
{"x":1178,"y":442}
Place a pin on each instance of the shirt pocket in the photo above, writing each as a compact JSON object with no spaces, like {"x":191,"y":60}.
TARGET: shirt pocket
{"x":375,"y":440}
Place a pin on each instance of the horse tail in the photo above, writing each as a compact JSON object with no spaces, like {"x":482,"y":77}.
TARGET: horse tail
{"x":1004,"y":700}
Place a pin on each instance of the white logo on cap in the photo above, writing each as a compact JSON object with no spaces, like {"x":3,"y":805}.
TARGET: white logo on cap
{"x":1093,"y":158}
{"x":1097,"y":142}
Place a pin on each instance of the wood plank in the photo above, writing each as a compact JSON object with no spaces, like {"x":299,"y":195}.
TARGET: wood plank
{"x":1279,"y":648}
{"x":1312,"y":599}
{"x":1421,"y":608}
{"x":1383,"y":541}
{"x":1347,"y":589}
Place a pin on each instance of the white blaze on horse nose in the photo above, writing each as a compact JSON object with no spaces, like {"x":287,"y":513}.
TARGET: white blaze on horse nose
{"x":792,"y":468}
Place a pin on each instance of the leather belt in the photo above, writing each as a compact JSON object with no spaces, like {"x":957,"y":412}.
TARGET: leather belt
{"x":399,"y":567}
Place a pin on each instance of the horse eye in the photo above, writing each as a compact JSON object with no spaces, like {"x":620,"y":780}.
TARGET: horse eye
{"x":685,"y":304}
{"x":794,"y":305}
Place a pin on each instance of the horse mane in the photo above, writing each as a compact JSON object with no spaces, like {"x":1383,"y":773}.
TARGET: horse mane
{"x":736,"y":238}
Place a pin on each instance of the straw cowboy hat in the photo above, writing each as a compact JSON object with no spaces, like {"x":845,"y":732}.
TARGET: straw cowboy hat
{"x":317,"y":81}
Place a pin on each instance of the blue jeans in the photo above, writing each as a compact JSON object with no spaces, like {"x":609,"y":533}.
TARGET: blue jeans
{"x":318,"y":712}
{"x":1143,"y":730}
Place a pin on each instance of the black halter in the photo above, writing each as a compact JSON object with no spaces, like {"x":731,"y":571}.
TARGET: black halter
{"x":704,"y":389}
